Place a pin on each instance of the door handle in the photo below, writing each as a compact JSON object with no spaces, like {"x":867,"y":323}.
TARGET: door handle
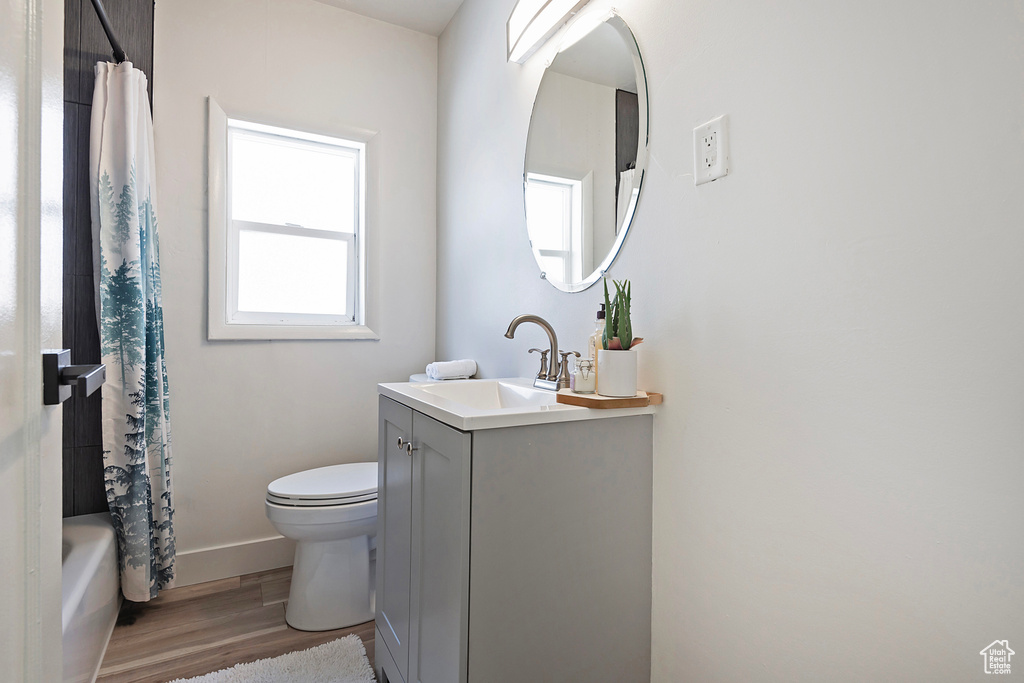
{"x":59,"y":376}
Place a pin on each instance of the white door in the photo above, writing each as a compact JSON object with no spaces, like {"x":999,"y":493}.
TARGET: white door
{"x":31,"y":138}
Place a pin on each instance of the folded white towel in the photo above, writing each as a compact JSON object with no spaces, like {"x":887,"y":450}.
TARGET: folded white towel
{"x":451,"y":369}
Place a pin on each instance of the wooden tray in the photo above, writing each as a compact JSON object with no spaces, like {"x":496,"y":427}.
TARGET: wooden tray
{"x":641,"y":400}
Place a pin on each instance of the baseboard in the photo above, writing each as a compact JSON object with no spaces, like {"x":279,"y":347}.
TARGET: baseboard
{"x":236,"y":559}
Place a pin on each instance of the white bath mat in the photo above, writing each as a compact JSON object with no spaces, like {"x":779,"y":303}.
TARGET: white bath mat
{"x":339,"y":661}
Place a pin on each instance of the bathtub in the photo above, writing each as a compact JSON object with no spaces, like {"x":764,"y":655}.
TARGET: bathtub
{"x":91,"y":594}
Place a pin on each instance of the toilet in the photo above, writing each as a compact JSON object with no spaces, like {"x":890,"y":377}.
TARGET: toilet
{"x":331,"y":514}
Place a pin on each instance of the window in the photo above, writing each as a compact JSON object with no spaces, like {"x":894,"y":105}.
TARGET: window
{"x":554,"y":212}
{"x":294,"y":221}
{"x":287,"y":233}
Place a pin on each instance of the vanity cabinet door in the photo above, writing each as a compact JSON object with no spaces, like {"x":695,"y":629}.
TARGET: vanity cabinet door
{"x":440,"y":553}
{"x":394,"y":541}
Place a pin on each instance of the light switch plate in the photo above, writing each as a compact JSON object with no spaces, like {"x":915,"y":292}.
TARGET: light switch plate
{"x":710,"y":151}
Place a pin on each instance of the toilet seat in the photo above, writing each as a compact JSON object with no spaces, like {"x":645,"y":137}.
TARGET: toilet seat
{"x":347,"y":484}
{"x":318,"y":502}
{"x":315,"y":519}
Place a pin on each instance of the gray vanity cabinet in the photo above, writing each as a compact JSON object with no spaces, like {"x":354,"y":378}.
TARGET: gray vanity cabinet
{"x":422,"y":547}
{"x":394,"y":537}
{"x":513,"y":554}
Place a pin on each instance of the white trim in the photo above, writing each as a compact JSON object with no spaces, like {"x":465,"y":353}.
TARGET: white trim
{"x":289,"y":134}
{"x":237,"y":317}
{"x":293,"y":332}
{"x":365,"y":294}
{"x":217,"y":218}
{"x":232,"y":559}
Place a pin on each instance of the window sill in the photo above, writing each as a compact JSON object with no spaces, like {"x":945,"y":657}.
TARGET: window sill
{"x":290,"y":332}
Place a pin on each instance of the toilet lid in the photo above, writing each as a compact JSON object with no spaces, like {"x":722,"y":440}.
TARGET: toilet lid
{"x":333,"y":485}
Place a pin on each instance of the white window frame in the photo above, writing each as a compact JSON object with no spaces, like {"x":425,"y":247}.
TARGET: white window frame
{"x":237,"y":317}
{"x":571,"y":254}
{"x":225,"y":321}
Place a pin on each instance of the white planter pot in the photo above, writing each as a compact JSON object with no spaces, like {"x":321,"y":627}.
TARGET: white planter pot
{"x":616,"y":373}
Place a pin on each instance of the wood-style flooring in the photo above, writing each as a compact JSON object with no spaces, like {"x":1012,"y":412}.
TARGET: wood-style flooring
{"x":194,"y":630}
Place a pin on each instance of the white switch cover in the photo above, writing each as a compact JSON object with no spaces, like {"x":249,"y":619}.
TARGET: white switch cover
{"x":710,"y":151}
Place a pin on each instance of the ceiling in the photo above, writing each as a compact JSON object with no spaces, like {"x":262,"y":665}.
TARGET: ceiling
{"x":425,"y":16}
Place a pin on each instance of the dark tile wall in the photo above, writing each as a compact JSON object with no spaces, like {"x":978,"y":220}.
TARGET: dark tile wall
{"x":84,"y":45}
{"x":627,"y":134}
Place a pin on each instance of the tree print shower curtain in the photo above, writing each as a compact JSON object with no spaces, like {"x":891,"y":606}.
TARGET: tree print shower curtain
{"x":126,"y":264}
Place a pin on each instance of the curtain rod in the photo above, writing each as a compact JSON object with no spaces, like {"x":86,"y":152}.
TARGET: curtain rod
{"x":119,"y":54}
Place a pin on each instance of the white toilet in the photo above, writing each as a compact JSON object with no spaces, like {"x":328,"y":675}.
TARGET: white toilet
{"x":331,"y":514}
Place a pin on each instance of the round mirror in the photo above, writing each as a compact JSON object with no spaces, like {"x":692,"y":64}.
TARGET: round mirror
{"x":586,"y":152}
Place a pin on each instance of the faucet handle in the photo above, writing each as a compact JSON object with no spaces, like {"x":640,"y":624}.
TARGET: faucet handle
{"x":543,"y":372}
{"x":563,"y":377}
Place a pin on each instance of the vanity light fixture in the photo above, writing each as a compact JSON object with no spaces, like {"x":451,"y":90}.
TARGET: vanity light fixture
{"x":583,"y":24}
{"x":534,"y":21}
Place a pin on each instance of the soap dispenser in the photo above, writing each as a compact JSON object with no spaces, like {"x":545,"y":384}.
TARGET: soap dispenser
{"x":595,"y":342}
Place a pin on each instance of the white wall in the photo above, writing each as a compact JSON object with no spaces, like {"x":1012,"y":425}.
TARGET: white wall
{"x":838,"y":326}
{"x":245,"y":413}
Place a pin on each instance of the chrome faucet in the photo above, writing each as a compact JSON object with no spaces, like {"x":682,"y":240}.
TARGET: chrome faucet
{"x":546,"y":378}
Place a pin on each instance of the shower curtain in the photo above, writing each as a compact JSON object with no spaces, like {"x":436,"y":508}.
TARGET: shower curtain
{"x":126,"y":267}
{"x":626,"y":197}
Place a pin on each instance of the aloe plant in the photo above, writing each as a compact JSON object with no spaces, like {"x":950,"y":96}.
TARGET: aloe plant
{"x":618,"y":327}
{"x":609,"y":319}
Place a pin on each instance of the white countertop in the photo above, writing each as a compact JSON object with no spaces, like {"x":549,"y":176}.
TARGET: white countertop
{"x":493,"y":403}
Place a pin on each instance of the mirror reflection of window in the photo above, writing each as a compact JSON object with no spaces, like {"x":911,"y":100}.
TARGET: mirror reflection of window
{"x":554,"y":206}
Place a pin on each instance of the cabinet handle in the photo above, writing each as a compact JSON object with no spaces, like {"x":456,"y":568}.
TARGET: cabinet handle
{"x":409,"y":449}
{"x":401,"y":443}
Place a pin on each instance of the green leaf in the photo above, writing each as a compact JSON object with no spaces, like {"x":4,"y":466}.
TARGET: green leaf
{"x":609,"y":329}
{"x":617,"y":309}
{"x":626,"y":324}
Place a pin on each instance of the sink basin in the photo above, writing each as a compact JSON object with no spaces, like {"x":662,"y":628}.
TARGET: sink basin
{"x":492,"y":403}
{"x":490,"y":394}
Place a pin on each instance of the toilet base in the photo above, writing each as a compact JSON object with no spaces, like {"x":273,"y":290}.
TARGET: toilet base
{"x":330,"y":585}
